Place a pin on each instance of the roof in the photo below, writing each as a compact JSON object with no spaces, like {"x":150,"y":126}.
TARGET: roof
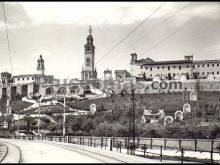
{"x":149,"y":113}
{"x":149,"y":61}
{"x":38,"y":75}
{"x":6,"y":72}
{"x":167,"y":62}
{"x":206,"y":61}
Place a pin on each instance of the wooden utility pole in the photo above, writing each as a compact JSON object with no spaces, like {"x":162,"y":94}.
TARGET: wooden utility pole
{"x":132,"y":122}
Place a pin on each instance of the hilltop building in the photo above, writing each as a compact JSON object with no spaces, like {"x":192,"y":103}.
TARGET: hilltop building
{"x":174,"y":70}
{"x":24,"y":85}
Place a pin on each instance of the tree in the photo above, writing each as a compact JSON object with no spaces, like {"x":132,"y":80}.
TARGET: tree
{"x":27,"y":119}
{"x":87,"y":126}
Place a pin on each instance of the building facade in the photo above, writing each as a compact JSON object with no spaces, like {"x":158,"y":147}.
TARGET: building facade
{"x":24,"y":85}
{"x":89,"y":70}
{"x":173,"y":70}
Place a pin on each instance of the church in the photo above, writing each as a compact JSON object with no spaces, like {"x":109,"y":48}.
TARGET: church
{"x":89,"y":70}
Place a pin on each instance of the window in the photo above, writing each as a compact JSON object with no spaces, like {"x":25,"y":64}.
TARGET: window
{"x":193,"y":66}
{"x":27,"y":78}
{"x":212,"y":72}
{"x":217,"y":64}
{"x":32,"y":78}
{"x":207,"y":65}
{"x":150,"y":68}
{"x":146,"y":68}
{"x":141,"y":67}
{"x":88,"y":61}
{"x":207,"y":72}
{"x":23,"y":78}
{"x":218,"y":72}
{"x":168,"y":67}
{"x":150,"y":75}
{"x":18,"y":79}
{"x":179,"y":67}
{"x":163,"y":67}
{"x":198,"y":66}
{"x":203,"y":65}
{"x":187,"y":74}
{"x":203,"y":73}
{"x":198,"y":73}
{"x":174,"y":66}
{"x":213,"y":65}
{"x":187,"y":66}
{"x":158,"y":67}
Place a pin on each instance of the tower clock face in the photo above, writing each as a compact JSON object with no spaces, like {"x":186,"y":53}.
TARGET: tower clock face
{"x":88,"y":61}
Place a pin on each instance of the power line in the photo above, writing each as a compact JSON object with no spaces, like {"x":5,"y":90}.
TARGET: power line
{"x":156,"y":27}
{"x":130,"y":32}
{"x":9,"y":51}
{"x":169,"y":35}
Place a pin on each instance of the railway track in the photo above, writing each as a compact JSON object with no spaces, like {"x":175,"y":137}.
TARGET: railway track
{"x":103,"y":158}
{"x":10,"y":153}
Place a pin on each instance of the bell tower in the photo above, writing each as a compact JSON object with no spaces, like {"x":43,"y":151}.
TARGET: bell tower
{"x":40,"y":65}
{"x":89,"y":70}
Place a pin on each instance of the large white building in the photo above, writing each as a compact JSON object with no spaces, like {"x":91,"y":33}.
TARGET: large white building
{"x":187,"y":67}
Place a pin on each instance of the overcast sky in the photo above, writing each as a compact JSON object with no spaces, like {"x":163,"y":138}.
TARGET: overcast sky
{"x":58,"y":31}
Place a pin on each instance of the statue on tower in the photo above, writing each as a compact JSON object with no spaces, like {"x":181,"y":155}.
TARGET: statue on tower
{"x":40,"y":65}
{"x":90,"y":30}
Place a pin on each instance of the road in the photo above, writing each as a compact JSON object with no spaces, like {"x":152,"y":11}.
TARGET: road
{"x":34,"y":151}
{"x":37,"y":152}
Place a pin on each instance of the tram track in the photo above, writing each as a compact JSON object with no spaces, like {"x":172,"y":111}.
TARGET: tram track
{"x":98,"y":156}
{"x":12,"y":154}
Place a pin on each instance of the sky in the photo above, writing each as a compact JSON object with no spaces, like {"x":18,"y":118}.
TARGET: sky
{"x":58,"y":31}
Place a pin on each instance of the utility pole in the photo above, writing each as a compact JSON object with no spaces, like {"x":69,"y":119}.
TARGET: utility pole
{"x":203,"y":110}
{"x":39,"y":118}
{"x":132,"y":120}
{"x":64,"y":115}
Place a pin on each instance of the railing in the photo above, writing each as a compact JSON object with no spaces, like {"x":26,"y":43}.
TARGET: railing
{"x":158,"y":148}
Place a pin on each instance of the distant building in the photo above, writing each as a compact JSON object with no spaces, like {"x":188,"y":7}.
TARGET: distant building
{"x":107,"y":74}
{"x":122,"y":74}
{"x":24,"y":85}
{"x":151,"y":117}
{"x":89,"y":70}
{"x":173,"y":69}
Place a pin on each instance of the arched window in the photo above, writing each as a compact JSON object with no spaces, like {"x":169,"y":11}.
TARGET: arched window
{"x":87,"y":61}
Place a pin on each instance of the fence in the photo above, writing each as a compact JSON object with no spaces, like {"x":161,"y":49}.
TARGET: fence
{"x":146,"y":147}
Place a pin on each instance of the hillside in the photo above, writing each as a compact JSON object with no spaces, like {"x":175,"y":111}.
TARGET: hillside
{"x":170,"y":102}
{"x":15,"y":105}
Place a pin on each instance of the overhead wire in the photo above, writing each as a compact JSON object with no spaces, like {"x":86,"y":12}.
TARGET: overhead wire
{"x":8,"y":42}
{"x":168,"y":36}
{"x":156,"y":27}
{"x":132,"y":31}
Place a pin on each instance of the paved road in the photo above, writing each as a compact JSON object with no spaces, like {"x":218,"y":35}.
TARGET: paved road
{"x":58,"y":152}
{"x":36,"y":152}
